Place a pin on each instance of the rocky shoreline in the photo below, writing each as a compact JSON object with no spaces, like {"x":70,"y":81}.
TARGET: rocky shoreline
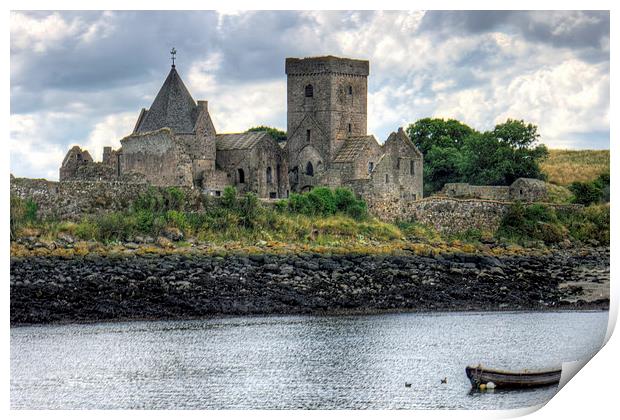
{"x":47,"y":289}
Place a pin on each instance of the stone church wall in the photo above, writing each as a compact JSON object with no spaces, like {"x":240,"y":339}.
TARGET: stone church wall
{"x":157,"y":156}
{"x":71,"y":200}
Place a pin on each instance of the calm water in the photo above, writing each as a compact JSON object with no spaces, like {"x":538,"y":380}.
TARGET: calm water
{"x":292,"y":361}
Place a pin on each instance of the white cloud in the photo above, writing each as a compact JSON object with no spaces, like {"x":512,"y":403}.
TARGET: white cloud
{"x":109,"y":132}
{"x":28,"y":32}
{"x":481,"y":78}
{"x":237,"y":107}
{"x":29,"y":148}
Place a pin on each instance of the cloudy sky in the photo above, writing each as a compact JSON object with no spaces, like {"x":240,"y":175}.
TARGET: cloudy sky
{"x":82,"y":77}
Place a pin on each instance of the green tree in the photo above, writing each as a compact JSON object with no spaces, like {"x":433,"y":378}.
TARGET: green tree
{"x":454,"y":152}
{"x":436,"y":132}
{"x":277,"y":134}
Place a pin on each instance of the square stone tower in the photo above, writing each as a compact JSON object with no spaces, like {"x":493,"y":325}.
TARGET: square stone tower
{"x":326,"y":103}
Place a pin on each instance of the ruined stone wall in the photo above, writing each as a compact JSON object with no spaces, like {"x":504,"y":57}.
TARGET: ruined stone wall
{"x":75,"y":159}
{"x":255,"y":163}
{"x":214,"y":182}
{"x":70,"y":200}
{"x":527,"y":189}
{"x":485,"y":192}
{"x":159,"y":157}
{"x":523,"y":189}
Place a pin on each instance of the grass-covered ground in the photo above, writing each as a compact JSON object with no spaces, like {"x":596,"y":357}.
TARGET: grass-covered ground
{"x":564,"y":167}
{"x":320,"y":221}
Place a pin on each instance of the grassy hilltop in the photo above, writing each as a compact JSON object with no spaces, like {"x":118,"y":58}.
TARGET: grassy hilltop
{"x":564,"y":167}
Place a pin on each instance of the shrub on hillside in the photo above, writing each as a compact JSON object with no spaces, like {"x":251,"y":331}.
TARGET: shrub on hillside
{"x":590,"y":223}
{"x":591,"y":192}
{"x":533,"y":222}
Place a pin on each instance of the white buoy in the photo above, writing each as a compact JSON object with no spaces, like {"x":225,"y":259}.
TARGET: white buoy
{"x":490,"y":385}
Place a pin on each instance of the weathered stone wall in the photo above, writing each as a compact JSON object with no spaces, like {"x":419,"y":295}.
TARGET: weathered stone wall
{"x":528,"y":189}
{"x":452,"y":215}
{"x":523,"y":189}
{"x":465,"y":190}
{"x":75,"y":159}
{"x":70,"y":200}
{"x":159,"y":157}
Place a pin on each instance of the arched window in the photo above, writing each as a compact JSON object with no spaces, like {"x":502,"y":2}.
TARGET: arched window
{"x":269,"y":178}
{"x":241,"y":176}
{"x":309,"y":91}
{"x":309,"y":169}
{"x":350,"y":90}
{"x":387,"y":178}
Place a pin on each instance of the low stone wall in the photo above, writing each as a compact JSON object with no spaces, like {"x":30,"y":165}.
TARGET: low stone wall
{"x":487,"y":192}
{"x":70,"y":200}
{"x":451,"y":215}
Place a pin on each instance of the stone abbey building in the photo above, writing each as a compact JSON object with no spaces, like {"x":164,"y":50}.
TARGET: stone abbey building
{"x":174,"y":143}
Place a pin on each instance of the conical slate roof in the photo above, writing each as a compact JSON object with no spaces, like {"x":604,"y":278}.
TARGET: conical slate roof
{"x":173,"y":107}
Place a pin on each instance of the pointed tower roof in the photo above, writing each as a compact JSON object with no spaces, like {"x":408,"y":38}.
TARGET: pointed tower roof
{"x":173,"y":107}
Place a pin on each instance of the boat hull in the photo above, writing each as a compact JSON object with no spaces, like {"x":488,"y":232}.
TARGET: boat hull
{"x":505,"y":379}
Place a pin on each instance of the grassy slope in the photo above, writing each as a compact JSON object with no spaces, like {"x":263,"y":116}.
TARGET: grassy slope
{"x":566,"y":166}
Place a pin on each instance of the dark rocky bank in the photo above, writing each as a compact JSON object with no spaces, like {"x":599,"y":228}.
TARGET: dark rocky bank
{"x":50,"y":289}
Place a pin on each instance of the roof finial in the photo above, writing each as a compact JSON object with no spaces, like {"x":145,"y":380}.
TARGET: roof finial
{"x":173,"y":52}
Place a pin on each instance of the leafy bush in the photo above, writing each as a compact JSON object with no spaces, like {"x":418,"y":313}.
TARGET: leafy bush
{"x":152,"y":200}
{"x":229,"y":198}
{"x":144,"y":220}
{"x":586,"y":192}
{"x":30,"y":211}
{"x":591,"y":192}
{"x":534,"y":222}
{"x":299,"y":203}
{"x":160,"y":200}
{"x":248,"y":209}
{"x":115,"y":226}
{"x":87,"y":229}
{"x":590,"y":223}
{"x":323,"y":201}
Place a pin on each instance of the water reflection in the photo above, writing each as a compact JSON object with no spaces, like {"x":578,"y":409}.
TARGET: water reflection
{"x":293,"y":361}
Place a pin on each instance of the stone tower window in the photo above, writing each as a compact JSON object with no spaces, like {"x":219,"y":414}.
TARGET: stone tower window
{"x":308,"y":132}
{"x":387,"y":178}
{"x":241,"y":175}
{"x":349,"y":128}
{"x":350,"y":90}
{"x":269,"y":177}
{"x":411,"y":167}
{"x":398,"y":163}
{"x":309,"y":91}
{"x":309,"y":169}
{"x":371,"y":166}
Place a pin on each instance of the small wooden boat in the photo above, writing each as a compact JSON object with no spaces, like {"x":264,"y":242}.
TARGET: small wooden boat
{"x":480,"y":377}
